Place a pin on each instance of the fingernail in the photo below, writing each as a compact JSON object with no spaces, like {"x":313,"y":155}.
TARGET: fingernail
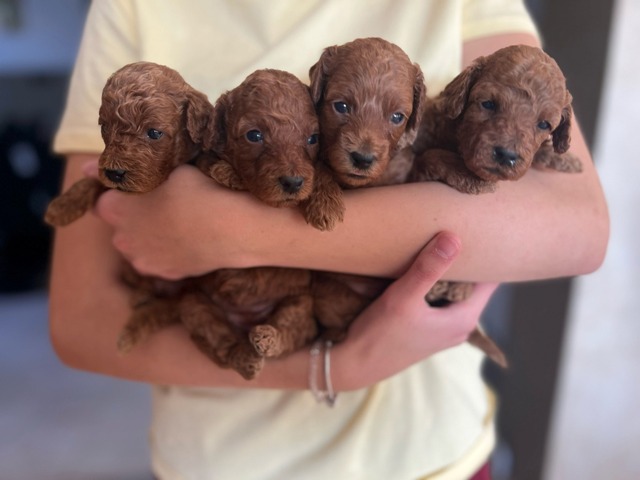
{"x":446,"y":246}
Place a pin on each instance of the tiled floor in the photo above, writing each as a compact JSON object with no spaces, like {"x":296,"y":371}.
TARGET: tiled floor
{"x":59,"y":424}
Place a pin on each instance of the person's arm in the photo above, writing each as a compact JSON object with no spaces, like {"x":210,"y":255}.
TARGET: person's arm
{"x":542,"y":226}
{"x":88,"y":307}
{"x":545,"y":225}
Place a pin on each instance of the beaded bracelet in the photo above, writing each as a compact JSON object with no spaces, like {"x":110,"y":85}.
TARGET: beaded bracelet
{"x":326,"y":395}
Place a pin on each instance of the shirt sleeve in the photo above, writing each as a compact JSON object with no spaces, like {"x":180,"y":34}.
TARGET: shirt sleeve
{"x":108,"y":42}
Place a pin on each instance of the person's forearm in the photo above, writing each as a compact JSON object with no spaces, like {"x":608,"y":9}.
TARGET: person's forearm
{"x":547,"y":224}
{"x":89,"y":306}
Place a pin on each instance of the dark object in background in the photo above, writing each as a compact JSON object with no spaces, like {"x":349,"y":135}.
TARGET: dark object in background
{"x":29,"y":179}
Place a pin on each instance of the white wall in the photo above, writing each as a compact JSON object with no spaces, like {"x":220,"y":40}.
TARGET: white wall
{"x":596,"y":428}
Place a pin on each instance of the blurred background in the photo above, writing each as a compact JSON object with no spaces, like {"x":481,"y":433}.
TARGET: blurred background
{"x":568,"y":405}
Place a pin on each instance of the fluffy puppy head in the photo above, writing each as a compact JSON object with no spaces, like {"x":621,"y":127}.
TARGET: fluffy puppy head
{"x":369,"y":98}
{"x":267,"y":130}
{"x":151,"y":121}
{"x":508,"y":104}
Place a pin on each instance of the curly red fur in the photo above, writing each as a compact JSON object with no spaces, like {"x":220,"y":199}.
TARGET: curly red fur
{"x":265,"y":142}
{"x":374,"y":79}
{"x":136,"y":98}
{"x":501,"y":115}
{"x":505,"y":113}
{"x":374,"y":82}
{"x":144,"y":96}
{"x":369,"y":97}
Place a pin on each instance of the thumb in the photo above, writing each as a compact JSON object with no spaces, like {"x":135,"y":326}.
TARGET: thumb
{"x":429,"y":266}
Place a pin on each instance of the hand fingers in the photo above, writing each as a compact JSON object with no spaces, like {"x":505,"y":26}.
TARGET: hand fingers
{"x":462,"y":317}
{"x":481,"y":294}
{"x":105,"y":206}
{"x":428,"y":267}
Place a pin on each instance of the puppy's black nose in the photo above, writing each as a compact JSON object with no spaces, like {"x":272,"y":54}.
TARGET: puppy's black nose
{"x":116,"y":176}
{"x":291,"y":184}
{"x":504,"y":157}
{"x":362,"y":161}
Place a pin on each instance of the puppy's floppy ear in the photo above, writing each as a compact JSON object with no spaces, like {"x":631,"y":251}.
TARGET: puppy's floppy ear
{"x":561,"y":135}
{"x":319,"y":72}
{"x":456,"y":93}
{"x":419,"y":99}
{"x":223,"y":105}
{"x":200,"y":118}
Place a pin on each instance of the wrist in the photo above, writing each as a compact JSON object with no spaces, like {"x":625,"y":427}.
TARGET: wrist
{"x":349,"y":366}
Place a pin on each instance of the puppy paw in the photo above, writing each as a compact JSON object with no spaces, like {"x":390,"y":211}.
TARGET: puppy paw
{"x":73,"y":203}
{"x":324,"y":212}
{"x":444,"y":292}
{"x":250,"y":370}
{"x":546,"y":159}
{"x":266,"y":340}
{"x":324,"y":222}
{"x":244,"y":360}
{"x":325,"y":207}
{"x":223,"y":173}
{"x":126,"y":341}
{"x":474,"y":186}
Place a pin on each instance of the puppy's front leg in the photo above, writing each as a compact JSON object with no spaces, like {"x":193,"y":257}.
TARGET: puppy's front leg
{"x":223,"y":173}
{"x":547,"y":158}
{"x":73,"y":203}
{"x":146,"y":319}
{"x":325,"y":207}
{"x":448,"y":167}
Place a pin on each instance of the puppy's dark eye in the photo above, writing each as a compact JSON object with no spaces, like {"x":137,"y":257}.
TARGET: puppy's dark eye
{"x":544,"y":125}
{"x":489,"y":105}
{"x":154,"y":134}
{"x":341,"y":107}
{"x":397,"y":118}
{"x":313,"y":139}
{"x":254,"y":136}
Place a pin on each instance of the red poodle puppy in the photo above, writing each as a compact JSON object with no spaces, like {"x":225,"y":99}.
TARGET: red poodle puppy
{"x":151,"y":121}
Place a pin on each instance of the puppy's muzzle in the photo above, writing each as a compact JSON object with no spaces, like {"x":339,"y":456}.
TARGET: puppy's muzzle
{"x":291,"y":184}
{"x":362,"y":161}
{"x":116,"y":176}
{"x":504,"y":157}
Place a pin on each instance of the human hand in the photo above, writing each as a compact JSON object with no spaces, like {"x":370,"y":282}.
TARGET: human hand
{"x":181,"y":228}
{"x":400,"y":328}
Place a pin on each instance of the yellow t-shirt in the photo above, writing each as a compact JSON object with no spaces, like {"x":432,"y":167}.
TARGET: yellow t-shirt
{"x":433,"y":420}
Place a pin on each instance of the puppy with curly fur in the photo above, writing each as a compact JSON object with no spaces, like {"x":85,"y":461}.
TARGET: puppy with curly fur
{"x":265,"y":142}
{"x":369,"y":98}
{"x":505,"y":113}
{"x":151,"y":121}
{"x":502,"y":115}
{"x":371,"y":101}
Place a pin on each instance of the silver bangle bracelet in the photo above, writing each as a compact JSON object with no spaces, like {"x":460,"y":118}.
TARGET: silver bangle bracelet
{"x":322,"y":395}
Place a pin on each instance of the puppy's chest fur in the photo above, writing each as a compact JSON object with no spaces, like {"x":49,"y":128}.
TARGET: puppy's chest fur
{"x":249,"y":296}
{"x":397,"y":170}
